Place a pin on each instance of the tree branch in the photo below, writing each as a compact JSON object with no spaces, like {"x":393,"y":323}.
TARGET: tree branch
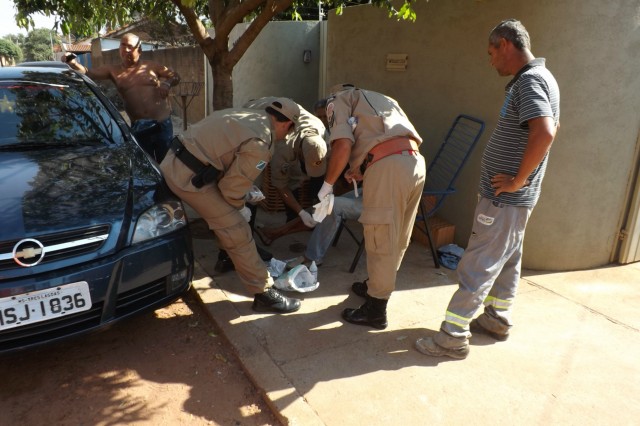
{"x":234,"y":14}
{"x":271,"y":8}
{"x":197,"y":28}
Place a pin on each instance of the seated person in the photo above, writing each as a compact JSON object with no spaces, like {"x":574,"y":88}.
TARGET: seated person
{"x":345,"y":207}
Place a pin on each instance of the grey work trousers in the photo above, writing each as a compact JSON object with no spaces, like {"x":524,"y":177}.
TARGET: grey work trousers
{"x":489,"y":270}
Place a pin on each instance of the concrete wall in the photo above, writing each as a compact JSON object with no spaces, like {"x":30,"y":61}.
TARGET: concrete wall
{"x":273,"y":65}
{"x":593,"y":49}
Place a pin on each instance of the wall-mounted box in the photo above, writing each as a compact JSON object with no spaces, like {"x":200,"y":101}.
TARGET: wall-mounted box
{"x":397,"y":61}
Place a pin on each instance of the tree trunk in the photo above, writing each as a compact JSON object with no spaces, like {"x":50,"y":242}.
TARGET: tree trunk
{"x":222,"y":83}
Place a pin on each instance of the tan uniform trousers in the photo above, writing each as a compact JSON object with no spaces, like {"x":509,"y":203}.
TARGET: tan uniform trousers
{"x":392,"y":189}
{"x":233,"y":232}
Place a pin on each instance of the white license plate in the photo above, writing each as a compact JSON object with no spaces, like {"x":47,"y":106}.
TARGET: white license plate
{"x":42,"y":305}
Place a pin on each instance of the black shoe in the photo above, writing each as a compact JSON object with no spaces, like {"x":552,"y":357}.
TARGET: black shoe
{"x":274,"y":301}
{"x":360,"y":288}
{"x":475,"y":327}
{"x":373,"y":313}
{"x":224,"y":265}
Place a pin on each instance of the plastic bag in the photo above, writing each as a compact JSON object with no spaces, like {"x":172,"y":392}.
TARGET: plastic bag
{"x":298,"y":279}
{"x":276,"y":267}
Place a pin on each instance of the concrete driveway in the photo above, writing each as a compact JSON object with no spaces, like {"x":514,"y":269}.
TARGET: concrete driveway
{"x":572,"y":357}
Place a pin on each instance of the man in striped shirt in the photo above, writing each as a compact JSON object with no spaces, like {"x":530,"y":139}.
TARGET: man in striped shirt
{"x":513,"y":166}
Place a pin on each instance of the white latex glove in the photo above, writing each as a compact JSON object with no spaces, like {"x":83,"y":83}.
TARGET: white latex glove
{"x":246,"y":213}
{"x":323,"y":208}
{"x":307,"y":218}
{"x":254,"y":196}
{"x":325,"y":190}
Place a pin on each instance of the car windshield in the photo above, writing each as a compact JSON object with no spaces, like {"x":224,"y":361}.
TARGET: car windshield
{"x":40,"y":114}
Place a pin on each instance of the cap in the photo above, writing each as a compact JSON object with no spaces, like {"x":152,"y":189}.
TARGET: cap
{"x":340,"y":87}
{"x":314,"y":151}
{"x":286,"y":107}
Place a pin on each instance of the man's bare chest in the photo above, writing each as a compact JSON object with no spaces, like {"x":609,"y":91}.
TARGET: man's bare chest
{"x":140,"y":76}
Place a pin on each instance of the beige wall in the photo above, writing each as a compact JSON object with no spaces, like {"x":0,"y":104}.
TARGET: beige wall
{"x":273,"y":66}
{"x":593,"y":49}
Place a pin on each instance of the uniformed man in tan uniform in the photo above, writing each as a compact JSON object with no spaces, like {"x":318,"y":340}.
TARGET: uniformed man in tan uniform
{"x":370,"y":132}
{"x":303,"y":157}
{"x":212,"y":167}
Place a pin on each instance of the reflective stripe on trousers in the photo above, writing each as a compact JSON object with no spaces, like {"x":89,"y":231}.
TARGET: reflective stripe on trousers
{"x":489,"y":270}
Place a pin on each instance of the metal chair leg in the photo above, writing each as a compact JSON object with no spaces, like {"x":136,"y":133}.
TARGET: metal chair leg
{"x":432,"y":245}
{"x":434,"y":252}
{"x":357,"y":258}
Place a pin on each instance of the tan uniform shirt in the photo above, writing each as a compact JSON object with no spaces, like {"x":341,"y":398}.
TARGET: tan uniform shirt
{"x":368,"y":118}
{"x":238,"y":142}
{"x":286,"y":171}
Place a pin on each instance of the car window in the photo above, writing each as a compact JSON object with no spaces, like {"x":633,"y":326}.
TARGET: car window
{"x":39,"y":113}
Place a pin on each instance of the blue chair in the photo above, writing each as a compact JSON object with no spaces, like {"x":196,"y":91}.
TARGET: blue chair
{"x":444,"y":169}
{"x":442,"y":173}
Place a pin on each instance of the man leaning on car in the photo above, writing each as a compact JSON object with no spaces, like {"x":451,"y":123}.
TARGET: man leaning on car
{"x":212,"y":167}
{"x":144,"y":87}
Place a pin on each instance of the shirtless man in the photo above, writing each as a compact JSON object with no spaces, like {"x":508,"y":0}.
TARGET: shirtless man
{"x":144,"y":87}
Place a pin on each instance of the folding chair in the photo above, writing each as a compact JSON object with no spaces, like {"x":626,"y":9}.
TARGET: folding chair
{"x":444,"y":170}
{"x":358,"y":241}
{"x":441,"y":176}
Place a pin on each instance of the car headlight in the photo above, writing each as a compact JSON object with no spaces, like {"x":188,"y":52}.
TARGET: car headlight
{"x":159,"y":220}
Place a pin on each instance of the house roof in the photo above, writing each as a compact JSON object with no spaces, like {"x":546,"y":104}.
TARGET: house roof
{"x":77,"y":48}
{"x":149,"y":31}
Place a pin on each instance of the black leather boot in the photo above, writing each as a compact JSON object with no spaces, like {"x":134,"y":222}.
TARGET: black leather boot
{"x":373,"y":313}
{"x":360,"y":288}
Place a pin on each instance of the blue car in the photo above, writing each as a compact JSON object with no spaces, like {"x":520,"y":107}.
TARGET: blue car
{"x":89,"y":234}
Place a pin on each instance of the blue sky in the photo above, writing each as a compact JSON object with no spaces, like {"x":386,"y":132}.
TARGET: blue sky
{"x":8,"y":22}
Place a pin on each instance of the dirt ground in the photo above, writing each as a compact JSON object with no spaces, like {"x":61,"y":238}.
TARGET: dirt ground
{"x":169,"y":367}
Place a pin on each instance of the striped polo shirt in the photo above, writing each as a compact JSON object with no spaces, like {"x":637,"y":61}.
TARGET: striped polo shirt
{"x":533,"y":92}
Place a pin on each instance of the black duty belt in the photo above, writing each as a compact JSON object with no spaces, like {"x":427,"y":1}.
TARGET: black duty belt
{"x":204,"y":173}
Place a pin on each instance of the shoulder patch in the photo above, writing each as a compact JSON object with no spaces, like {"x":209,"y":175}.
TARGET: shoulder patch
{"x":330,"y":108}
{"x":261,"y":165}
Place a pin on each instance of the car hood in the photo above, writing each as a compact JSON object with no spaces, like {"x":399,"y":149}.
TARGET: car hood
{"x":56,"y":189}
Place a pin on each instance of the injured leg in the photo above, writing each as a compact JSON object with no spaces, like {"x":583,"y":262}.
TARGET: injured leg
{"x":269,"y":235}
